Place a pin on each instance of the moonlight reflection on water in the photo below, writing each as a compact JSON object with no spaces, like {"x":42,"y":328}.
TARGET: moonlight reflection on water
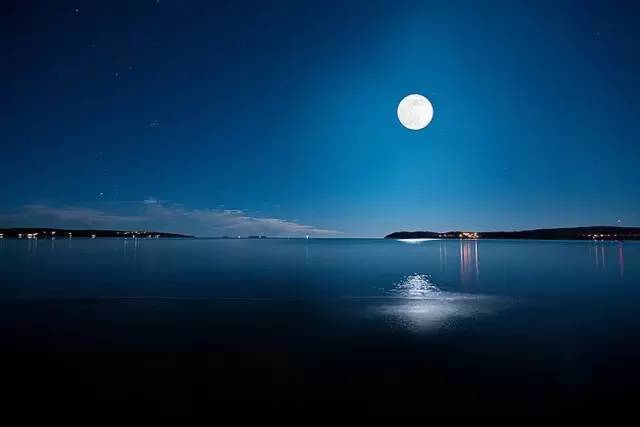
{"x":421,"y":306}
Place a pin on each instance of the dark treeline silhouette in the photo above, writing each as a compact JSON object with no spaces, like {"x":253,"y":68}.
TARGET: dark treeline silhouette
{"x":47,"y":232}
{"x":573,"y":233}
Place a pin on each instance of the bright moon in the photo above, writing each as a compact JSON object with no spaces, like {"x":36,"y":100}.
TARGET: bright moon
{"x":415,"y":112}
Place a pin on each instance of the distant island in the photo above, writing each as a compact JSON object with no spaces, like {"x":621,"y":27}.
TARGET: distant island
{"x":573,"y":233}
{"x":46,"y":232}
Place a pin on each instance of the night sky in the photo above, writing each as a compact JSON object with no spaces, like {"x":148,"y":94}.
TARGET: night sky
{"x":279,"y":118}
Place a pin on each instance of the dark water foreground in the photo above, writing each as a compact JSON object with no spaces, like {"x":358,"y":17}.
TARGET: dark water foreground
{"x":504,"y":324}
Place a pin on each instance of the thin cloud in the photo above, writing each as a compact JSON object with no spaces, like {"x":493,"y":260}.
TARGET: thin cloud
{"x":161,"y":216}
{"x":230,"y":221}
{"x":77,"y":216}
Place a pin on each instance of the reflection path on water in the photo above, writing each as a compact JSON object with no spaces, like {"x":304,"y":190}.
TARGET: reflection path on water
{"x":421,"y":306}
{"x":468,"y":260}
{"x":601,"y":248}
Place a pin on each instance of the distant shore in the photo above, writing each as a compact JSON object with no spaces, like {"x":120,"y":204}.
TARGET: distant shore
{"x":46,"y":232}
{"x":572,"y":233}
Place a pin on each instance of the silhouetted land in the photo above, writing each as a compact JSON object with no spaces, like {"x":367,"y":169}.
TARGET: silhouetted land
{"x":574,"y":233}
{"x":40,"y":232}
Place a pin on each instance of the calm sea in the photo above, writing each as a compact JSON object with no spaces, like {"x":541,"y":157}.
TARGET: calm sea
{"x":532,"y":323}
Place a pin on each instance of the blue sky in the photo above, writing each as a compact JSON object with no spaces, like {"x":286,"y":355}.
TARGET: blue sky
{"x":221,"y":118}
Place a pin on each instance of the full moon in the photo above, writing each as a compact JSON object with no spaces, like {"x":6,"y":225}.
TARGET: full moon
{"x":415,"y":112}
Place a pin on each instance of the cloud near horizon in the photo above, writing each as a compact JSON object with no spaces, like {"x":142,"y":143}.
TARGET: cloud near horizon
{"x":157,"y":215}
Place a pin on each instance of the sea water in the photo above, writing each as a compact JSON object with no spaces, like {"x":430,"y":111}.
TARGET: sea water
{"x":528,"y":322}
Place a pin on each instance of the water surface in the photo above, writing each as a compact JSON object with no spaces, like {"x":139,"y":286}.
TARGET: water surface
{"x":529,"y":322}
